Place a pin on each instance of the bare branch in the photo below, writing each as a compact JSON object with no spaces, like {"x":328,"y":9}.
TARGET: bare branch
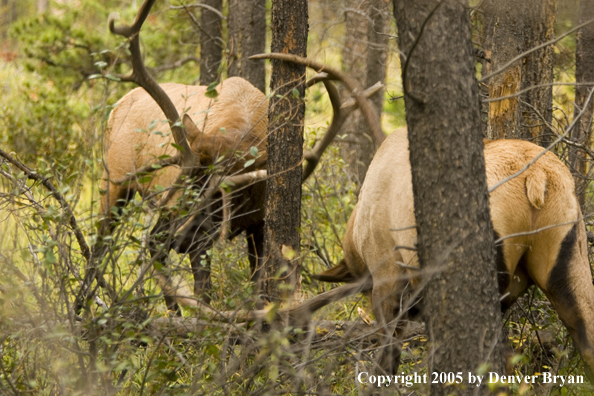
{"x":31,"y":174}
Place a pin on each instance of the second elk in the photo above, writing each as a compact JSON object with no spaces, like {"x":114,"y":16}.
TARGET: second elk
{"x":540,"y":239}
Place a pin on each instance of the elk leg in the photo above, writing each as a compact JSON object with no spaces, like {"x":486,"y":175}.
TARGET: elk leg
{"x":255,"y":242}
{"x":159,"y":246}
{"x":568,"y":285}
{"x":386,"y":306}
{"x":119,"y":197}
{"x":201,"y":270}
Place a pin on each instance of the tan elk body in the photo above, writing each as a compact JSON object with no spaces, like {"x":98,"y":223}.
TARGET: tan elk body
{"x":225,"y":130}
{"x":539,"y":203}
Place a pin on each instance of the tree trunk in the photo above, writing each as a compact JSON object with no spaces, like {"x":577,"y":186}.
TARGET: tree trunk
{"x":210,"y":42}
{"x":247,"y":37}
{"x":357,"y":147}
{"x":455,"y":234}
{"x":512,"y":27}
{"x":584,"y":74}
{"x":377,"y":52}
{"x":285,"y":149}
{"x":42,"y":6}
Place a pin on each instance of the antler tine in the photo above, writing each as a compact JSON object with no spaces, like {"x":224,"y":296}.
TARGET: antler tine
{"x":126,"y":30}
{"x":141,"y":77}
{"x":338,"y":118}
{"x":341,"y":113}
{"x":316,"y":79}
{"x":352,"y":84}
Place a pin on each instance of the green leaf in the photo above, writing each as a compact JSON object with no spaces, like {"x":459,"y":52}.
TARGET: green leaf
{"x":254,"y":151}
{"x":211,"y":90}
{"x":94,"y":76}
{"x":248,"y":163}
{"x":177,"y":146}
{"x":295,"y":92}
{"x":145,"y":179}
{"x":112,"y":77}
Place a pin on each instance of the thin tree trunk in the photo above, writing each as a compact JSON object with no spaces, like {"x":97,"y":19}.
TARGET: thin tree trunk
{"x":247,"y":37}
{"x":584,"y":74}
{"x":42,"y":6}
{"x":254,"y":43}
{"x":455,"y":234}
{"x":512,"y":27}
{"x":357,"y":146}
{"x":210,"y":42}
{"x":235,"y":28}
{"x":285,"y":149}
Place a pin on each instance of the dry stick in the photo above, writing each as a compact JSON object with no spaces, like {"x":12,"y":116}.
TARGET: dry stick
{"x":196,"y":5}
{"x":174,"y":65}
{"x":367,"y":108}
{"x":523,"y":91}
{"x":522,"y":55}
{"x":31,"y":174}
{"x":561,"y":137}
{"x":536,"y":231}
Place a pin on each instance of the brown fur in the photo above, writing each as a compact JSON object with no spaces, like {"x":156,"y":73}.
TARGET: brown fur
{"x":542,"y":196}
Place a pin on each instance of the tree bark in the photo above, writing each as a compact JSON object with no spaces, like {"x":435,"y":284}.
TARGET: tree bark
{"x":285,"y":149}
{"x":42,"y":6}
{"x":584,"y":74}
{"x":357,"y":147}
{"x":364,"y":58}
{"x":512,"y":27}
{"x":455,"y":234}
{"x":247,"y":37}
{"x":210,"y":42}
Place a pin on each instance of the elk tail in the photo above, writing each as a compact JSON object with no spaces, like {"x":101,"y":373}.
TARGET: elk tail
{"x":338,"y":273}
{"x":536,"y":186}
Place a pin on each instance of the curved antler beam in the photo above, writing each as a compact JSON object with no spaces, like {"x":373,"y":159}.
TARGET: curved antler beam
{"x":141,"y":77}
{"x":353,"y":85}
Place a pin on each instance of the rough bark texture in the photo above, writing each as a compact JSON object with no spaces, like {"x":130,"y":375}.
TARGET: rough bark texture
{"x":210,"y":42}
{"x":512,"y":27}
{"x":455,"y":234}
{"x":285,"y":147}
{"x":584,"y":74}
{"x":364,"y":58}
{"x":377,"y":53}
{"x":357,"y":147}
{"x":247,"y":37}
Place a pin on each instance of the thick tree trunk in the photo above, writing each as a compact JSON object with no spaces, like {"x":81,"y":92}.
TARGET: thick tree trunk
{"x":511,"y":28}
{"x":455,"y":234}
{"x":584,"y":74}
{"x":285,"y":149}
{"x":210,"y":42}
{"x":247,"y":37}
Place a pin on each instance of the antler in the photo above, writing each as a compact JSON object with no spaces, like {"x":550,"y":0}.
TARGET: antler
{"x":141,"y":77}
{"x":340,"y":114}
{"x":367,"y":108}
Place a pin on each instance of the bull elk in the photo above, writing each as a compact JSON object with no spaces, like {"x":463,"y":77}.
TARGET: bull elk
{"x":149,"y":145}
{"x":540,"y":237}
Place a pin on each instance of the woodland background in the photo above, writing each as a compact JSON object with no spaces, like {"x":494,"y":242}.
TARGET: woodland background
{"x":57,"y":86}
